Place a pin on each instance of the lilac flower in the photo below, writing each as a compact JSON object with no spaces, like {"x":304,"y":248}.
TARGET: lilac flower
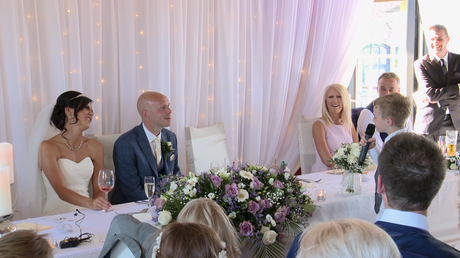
{"x":231,"y":190}
{"x":246,"y":228}
{"x":216,"y":180}
{"x":253,"y":207}
{"x":256,"y":184}
{"x":278,"y":184}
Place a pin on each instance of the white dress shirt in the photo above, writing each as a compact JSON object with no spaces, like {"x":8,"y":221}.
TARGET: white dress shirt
{"x":151,"y":137}
{"x":405,"y":218}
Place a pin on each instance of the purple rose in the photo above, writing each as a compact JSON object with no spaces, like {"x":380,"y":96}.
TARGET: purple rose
{"x":216,"y":180}
{"x":159,"y":202}
{"x":246,"y":228}
{"x":256,"y":184}
{"x":284,"y":209}
{"x":231,"y":190}
{"x":264,"y":204}
{"x":280,"y":216}
{"x":274,"y":171}
{"x":253,"y":207}
{"x":278,"y":184}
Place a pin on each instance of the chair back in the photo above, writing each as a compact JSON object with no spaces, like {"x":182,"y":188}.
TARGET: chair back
{"x":107,"y":141}
{"x":205,"y":145}
{"x":306,"y":143}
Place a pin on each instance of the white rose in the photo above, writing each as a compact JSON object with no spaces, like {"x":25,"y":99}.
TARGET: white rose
{"x":339,"y":153}
{"x":268,"y":218}
{"x":286,"y":176}
{"x":271,"y":181}
{"x":264,"y":229}
{"x":352,"y":159}
{"x":173,"y":186}
{"x":273,"y":223}
{"x":264,"y":168}
{"x":269,"y":237}
{"x":287,"y":170}
{"x":169,"y":144}
{"x":192,"y":192}
{"x":453,"y":166}
{"x":164,"y":217}
{"x":257,"y":198}
{"x":186,"y":191}
{"x":232,"y":215}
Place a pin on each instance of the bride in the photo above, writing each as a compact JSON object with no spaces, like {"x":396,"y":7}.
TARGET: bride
{"x":69,"y":160}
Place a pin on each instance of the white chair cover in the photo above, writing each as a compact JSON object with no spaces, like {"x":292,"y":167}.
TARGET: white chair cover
{"x":107,"y":142}
{"x":306,"y":143}
{"x":205,"y":145}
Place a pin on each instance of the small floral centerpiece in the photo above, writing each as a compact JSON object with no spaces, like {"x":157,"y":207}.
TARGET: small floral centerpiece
{"x":346,"y":157}
{"x":453,"y":162}
{"x":264,"y":203}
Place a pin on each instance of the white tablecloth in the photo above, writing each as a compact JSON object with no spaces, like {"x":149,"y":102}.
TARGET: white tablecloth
{"x":443,"y":214}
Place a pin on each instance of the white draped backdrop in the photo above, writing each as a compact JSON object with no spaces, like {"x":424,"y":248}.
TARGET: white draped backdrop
{"x":255,"y":65}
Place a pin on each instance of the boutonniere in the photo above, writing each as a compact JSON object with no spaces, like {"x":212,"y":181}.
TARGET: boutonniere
{"x":167,"y":146}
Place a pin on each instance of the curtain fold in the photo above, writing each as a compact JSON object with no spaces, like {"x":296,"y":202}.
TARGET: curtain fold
{"x":254,"y":65}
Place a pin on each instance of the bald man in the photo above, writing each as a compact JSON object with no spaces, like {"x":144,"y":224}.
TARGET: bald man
{"x":146,"y":150}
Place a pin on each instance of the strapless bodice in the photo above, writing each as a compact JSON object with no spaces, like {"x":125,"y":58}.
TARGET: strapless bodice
{"x":77,"y":176}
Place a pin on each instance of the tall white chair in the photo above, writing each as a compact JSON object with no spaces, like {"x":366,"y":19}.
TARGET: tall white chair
{"x":205,"y":145}
{"x":306,"y":143}
{"x":107,"y":142}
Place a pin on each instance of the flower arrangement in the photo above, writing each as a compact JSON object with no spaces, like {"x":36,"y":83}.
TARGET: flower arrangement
{"x":346,"y":157}
{"x":453,"y":162}
{"x":264,"y":203}
{"x":168,"y":147}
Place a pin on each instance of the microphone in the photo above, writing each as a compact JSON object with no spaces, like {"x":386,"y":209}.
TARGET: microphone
{"x":369,"y":133}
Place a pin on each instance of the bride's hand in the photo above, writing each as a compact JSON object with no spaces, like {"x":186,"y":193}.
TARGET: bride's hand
{"x":100,"y":203}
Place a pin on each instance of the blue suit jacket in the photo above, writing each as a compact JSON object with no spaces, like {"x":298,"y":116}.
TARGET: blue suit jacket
{"x":417,"y":241}
{"x":133,"y":159}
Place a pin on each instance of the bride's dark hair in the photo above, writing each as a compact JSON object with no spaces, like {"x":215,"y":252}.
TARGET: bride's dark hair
{"x":71,"y":99}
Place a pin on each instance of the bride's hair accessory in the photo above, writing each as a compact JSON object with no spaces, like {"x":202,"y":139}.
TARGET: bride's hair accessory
{"x":156,"y":248}
{"x":78,"y":96}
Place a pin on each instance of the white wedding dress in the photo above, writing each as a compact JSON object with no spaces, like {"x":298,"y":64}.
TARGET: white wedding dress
{"x":76,"y":176}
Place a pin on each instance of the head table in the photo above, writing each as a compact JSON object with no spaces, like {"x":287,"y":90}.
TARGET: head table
{"x":443,"y":215}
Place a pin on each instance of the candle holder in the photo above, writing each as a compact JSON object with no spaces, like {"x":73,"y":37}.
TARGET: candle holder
{"x":320,"y":195}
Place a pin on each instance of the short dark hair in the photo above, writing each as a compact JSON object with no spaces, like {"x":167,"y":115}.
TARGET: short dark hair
{"x":390,"y":75}
{"x":412,"y":169}
{"x":438,"y":27}
{"x":396,"y":106}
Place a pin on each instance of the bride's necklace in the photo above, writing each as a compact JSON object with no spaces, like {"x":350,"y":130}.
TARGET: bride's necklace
{"x":70,"y":147}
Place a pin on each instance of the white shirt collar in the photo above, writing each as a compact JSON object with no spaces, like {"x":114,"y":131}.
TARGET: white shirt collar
{"x":394,"y":133}
{"x":405,"y":218}
{"x":446,"y":57}
{"x":150,"y":135}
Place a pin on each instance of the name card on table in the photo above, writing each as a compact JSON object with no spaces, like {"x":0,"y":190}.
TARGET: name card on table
{"x":5,"y":192}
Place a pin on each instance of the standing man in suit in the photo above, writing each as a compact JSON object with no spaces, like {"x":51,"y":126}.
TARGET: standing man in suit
{"x":412,"y":169}
{"x":146,"y":150}
{"x":438,"y":74}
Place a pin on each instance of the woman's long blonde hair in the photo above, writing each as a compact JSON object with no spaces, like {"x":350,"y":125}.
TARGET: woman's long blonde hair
{"x":345,"y":115}
{"x":208,"y":212}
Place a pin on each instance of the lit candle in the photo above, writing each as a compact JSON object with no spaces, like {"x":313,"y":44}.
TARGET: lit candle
{"x":6,"y":158}
{"x":5,"y":193}
{"x":320,"y":195}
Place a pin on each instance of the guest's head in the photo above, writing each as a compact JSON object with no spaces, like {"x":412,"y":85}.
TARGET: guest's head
{"x":24,"y":243}
{"x":347,"y":238}
{"x":153,"y":107}
{"x":189,"y":240}
{"x":412,"y":169}
{"x":438,"y":37}
{"x":67,"y":110}
{"x":336,"y":101}
{"x":388,"y":83}
{"x":208,"y":212}
{"x":391,"y":110}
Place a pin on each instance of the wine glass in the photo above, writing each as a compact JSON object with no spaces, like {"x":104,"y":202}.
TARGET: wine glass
{"x":106,"y":181}
{"x":214,"y":166}
{"x":149,"y":188}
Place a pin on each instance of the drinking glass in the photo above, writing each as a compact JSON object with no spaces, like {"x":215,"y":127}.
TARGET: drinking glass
{"x":451,"y":141}
{"x":227,"y":162}
{"x":106,"y":181}
{"x":214,"y":166}
{"x":149,"y":188}
{"x":442,"y":143}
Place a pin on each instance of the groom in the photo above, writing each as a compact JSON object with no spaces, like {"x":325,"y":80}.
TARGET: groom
{"x":146,"y":150}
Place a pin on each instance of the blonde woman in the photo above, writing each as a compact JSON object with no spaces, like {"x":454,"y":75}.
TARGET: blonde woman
{"x":348,"y":238}
{"x":25,"y":243}
{"x":208,"y":212}
{"x":334,"y":127}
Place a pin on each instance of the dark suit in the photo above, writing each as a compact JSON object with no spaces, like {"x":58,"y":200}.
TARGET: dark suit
{"x":133,"y":159}
{"x":417,"y":241}
{"x":139,"y":237}
{"x":444,"y":89}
